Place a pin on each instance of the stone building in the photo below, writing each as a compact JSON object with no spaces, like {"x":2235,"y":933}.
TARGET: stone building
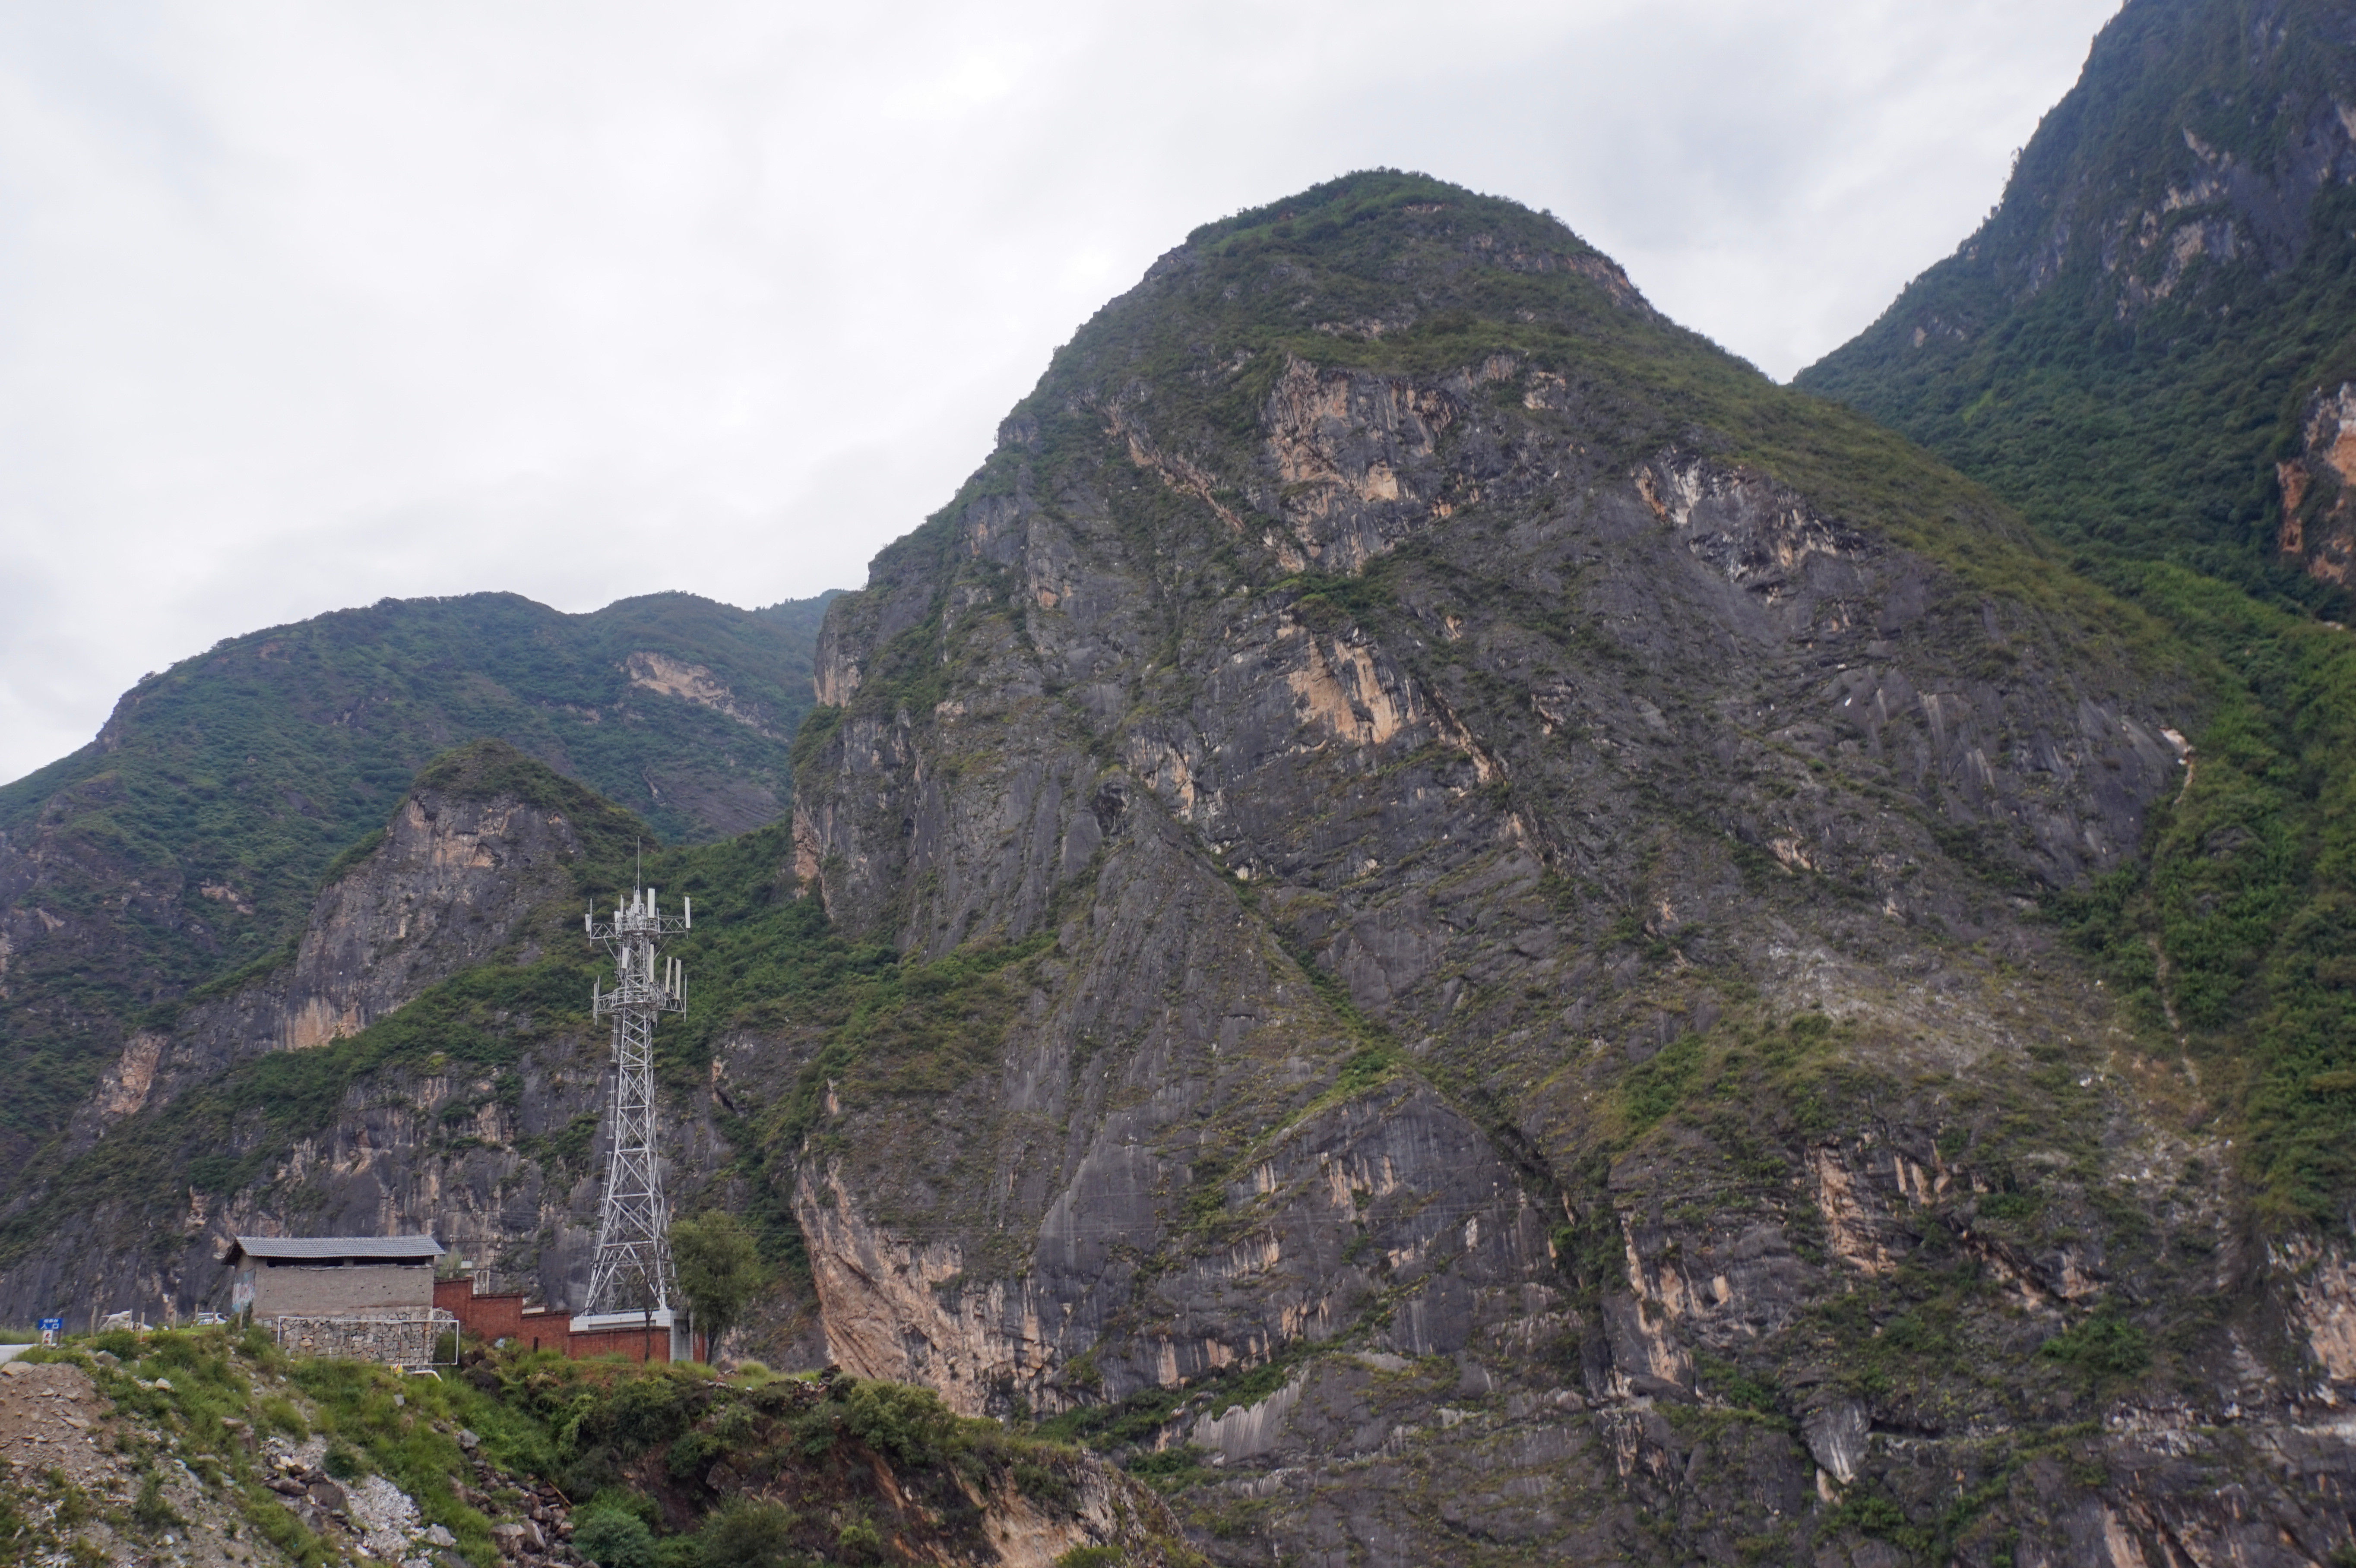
{"x":332,"y":1276}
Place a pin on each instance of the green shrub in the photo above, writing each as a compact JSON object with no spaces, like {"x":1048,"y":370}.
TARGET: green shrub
{"x":910,"y":1424}
{"x":119,"y":1343}
{"x":1042,"y":1484}
{"x":621,"y":1500}
{"x":746,"y":1533}
{"x":812,"y":1431}
{"x":149,"y":1510}
{"x":2011,"y":1205}
{"x":692,"y":1455}
{"x":279,"y":1414}
{"x":613,"y":1538}
{"x":1170,"y":1469}
{"x":73,"y":1505}
{"x":859,"y":1542}
{"x":2105,"y":1349}
{"x":1653,"y":1088}
{"x":650,"y":1411}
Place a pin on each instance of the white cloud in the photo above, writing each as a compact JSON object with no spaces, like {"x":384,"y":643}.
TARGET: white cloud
{"x":306,"y":305}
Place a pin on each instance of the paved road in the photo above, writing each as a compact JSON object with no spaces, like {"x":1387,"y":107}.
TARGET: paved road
{"x":10,"y":1352}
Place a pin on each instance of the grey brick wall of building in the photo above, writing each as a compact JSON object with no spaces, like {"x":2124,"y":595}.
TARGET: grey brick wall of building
{"x":327,"y":1291}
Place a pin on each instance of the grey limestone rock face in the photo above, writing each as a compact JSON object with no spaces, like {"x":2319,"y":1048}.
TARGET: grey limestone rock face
{"x":1835,"y":1435}
{"x":1406,"y":788}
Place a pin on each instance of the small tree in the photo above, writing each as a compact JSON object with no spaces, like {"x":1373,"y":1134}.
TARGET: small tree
{"x":719,"y":1269}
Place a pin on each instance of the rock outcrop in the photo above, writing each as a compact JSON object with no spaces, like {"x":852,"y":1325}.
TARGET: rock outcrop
{"x":455,"y":875}
{"x":2318,"y":526}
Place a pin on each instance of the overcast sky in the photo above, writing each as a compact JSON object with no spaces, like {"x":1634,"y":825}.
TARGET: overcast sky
{"x":306,"y":305}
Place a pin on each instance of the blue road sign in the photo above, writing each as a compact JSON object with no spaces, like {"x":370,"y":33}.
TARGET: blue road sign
{"x":52,"y":1324}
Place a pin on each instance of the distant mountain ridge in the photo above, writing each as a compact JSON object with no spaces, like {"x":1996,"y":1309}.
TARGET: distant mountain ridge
{"x":187,"y":838}
{"x":2139,"y":332}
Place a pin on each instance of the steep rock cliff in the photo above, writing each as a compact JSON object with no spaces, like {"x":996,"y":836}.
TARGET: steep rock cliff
{"x":1481,"y":868}
{"x":2318,"y":527}
{"x":461,"y":863}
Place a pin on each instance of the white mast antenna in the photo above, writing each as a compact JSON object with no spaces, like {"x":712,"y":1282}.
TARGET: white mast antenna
{"x":631,"y":1273}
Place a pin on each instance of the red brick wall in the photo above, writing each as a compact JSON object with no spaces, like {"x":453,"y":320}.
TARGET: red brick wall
{"x":538,"y":1328}
{"x":503,"y":1315}
{"x":632,"y":1344}
{"x":492,"y":1317}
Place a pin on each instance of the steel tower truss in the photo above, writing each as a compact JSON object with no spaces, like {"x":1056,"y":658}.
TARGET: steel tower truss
{"x":632,"y":1269}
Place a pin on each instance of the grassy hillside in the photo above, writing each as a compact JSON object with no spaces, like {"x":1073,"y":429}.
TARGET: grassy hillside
{"x":652,"y":1467}
{"x":2122,"y":350}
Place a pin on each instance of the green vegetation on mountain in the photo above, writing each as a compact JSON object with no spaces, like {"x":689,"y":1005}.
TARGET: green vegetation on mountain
{"x":187,"y":842}
{"x":2238,"y":925}
{"x":2125,"y":350}
{"x":2099,"y":353}
{"x":759,"y":956}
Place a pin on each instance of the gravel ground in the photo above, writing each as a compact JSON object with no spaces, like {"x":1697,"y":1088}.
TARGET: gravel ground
{"x":60,"y":1465}
{"x":72,"y":1469}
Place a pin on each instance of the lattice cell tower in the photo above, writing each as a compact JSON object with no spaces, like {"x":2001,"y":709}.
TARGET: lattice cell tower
{"x":631,"y":1274}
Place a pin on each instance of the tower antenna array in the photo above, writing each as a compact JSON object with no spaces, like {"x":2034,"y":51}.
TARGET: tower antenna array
{"x":631,"y":1272}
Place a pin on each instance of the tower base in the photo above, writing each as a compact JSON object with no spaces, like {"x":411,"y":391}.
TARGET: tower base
{"x":669,"y":1328}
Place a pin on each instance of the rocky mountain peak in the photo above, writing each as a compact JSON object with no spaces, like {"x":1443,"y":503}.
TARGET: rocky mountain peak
{"x":2195,"y":145}
{"x":189,"y":842}
{"x":1458,"y":827}
{"x":2146,"y":347}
